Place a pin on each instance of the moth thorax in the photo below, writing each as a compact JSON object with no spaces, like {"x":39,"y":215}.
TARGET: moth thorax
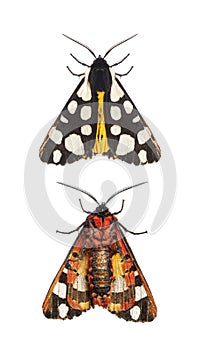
{"x":100,"y":77}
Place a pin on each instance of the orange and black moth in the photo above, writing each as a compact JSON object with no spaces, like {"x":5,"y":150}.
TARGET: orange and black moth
{"x":100,"y":269}
{"x":100,"y":118}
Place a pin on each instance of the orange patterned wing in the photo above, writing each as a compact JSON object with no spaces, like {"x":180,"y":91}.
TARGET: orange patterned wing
{"x":69,"y":294}
{"x":131,"y":297}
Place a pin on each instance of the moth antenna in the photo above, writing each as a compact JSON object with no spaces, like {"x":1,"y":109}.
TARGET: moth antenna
{"x":121,"y":42}
{"x":78,"y":42}
{"x":80,"y":190}
{"x":125,"y":189}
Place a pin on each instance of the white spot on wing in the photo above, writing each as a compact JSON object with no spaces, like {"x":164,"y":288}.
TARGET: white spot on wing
{"x":115,"y":130}
{"x":116,"y":92}
{"x":128,"y":106}
{"x":60,"y":289}
{"x":135,"y":312}
{"x":140,"y":293}
{"x":115,"y":112}
{"x":57,"y":154}
{"x":86,"y":112}
{"x":72,"y":106}
{"x":63,"y":119}
{"x":119,"y":285}
{"x":143,"y":156}
{"x":136,"y":273}
{"x":65,"y":270}
{"x":86,"y":130}
{"x":85,"y":91}
{"x":55,"y":135}
{"x":126,"y":144}
{"x":74,"y":144}
{"x":143,"y":136}
{"x":63,"y":310}
{"x":136,"y":119}
{"x":80,"y":283}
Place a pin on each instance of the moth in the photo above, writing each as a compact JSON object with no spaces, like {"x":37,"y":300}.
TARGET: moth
{"x":100,"y":269}
{"x":100,"y":118}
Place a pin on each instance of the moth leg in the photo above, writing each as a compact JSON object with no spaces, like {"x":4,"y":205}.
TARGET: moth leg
{"x":122,"y":75}
{"x":67,"y":233}
{"x":118,"y":212}
{"x":76,"y":59}
{"x":85,"y":211}
{"x":116,"y":64}
{"x":75,"y":74}
{"x":133,"y":233}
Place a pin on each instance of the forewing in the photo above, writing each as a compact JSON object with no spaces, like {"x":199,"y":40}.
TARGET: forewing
{"x":72,"y":135}
{"x":82,"y":129}
{"x":69,"y":294}
{"x":130,"y":293}
{"x":129,"y":137}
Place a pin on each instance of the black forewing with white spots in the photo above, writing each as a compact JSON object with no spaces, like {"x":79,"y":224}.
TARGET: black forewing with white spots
{"x":72,"y":135}
{"x":129,"y":137}
{"x":100,"y":118}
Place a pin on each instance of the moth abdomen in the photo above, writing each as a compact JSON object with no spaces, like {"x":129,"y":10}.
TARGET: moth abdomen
{"x":101,"y":273}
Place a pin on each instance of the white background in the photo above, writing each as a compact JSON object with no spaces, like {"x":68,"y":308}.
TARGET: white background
{"x":166,"y":86}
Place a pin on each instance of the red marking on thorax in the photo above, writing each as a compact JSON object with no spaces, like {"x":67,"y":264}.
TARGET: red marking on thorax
{"x":102,"y":221}
{"x":102,"y":233}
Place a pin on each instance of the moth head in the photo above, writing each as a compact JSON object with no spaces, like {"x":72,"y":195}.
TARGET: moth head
{"x":102,"y":208}
{"x":100,"y":77}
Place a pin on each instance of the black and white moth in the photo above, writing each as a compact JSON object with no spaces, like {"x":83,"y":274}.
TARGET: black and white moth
{"x":100,"y":118}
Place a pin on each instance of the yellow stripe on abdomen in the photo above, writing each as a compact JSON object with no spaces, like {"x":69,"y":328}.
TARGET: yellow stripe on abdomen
{"x":101,"y":143}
